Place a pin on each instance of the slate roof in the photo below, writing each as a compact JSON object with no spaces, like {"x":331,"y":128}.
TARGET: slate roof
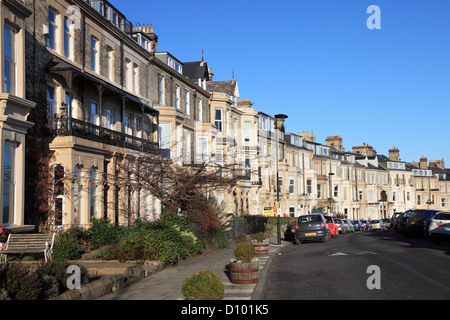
{"x":229,"y":87}
{"x":196,"y":70}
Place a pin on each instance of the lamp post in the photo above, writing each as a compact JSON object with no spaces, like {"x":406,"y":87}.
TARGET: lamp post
{"x":330,"y":190}
{"x":277,"y":130}
{"x":278,"y":191}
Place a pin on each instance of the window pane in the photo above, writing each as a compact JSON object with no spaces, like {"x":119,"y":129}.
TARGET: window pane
{"x":8,"y":183}
{"x":9,"y":60}
{"x":52,"y":29}
{"x":8,"y":42}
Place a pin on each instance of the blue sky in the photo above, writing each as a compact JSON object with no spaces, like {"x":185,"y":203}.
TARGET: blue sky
{"x":317,"y":62}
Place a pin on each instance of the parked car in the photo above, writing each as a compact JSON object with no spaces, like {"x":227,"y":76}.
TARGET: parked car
{"x":426,"y":225}
{"x":377,"y":225}
{"x":416,"y":221}
{"x":340,"y":225}
{"x":366,"y":226}
{"x":402,"y":220}
{"x":357,"y":225}
{"x":312,"y":227}
{"x":334,"y":232}
{"x":394,"y":220}
{"x":387,"y":223}
{"x":348,"y":225}
{"x":440,"y":227}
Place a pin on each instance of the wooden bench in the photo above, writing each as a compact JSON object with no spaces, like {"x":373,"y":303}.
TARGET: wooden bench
{"x":29,"y":243}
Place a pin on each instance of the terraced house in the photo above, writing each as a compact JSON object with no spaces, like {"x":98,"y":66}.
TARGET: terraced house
{"x":15,"y":108}
{"x":85,"y":92}
{"x":94,"y":86}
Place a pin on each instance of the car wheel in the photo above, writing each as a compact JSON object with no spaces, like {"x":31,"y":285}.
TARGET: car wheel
{"x":326,"y":238}
{"x":297,"y":241}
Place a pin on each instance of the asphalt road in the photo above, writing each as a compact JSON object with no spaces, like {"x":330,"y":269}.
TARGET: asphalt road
{"x":392,"y":265}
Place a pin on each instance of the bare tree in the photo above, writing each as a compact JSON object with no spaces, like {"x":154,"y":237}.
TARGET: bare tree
{"x":178,"y":187}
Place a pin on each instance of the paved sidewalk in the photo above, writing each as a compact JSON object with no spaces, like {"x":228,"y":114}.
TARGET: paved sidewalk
{"x":166,"y":284}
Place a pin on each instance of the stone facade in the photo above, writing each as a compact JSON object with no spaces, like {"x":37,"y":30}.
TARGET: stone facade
{"x":88,"y":92}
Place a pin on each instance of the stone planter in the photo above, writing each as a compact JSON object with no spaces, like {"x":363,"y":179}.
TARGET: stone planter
{"x":261,"y":248}
{"x":244,"y":272}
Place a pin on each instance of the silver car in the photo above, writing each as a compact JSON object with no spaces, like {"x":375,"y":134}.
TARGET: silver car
{"x":439,"y":230}
{"x":377,"y":225}
{"x":348,"y":225}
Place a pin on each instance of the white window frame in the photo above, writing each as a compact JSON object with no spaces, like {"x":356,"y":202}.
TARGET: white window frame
{"x":110,"y":60}
{"x":187,"y":104}
{"x":11,"y":88}
{"x":291,"y":185}
{"x":68,"y":39}
{"x":11,"y":184}
{"x":95,"y":117}
{"x":53,"y":30}
{"x":177,"y":97}
{"x":218,"y":122}
{"x":109,"y":118}
{"x":95,"y":54}
{"x":161,"y":89}
{"x":200,"y":110}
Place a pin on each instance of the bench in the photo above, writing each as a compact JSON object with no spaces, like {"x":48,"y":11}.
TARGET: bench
{"x":29,"y":243}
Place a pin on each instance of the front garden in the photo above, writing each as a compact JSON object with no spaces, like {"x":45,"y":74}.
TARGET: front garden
{"x":168,"y":239}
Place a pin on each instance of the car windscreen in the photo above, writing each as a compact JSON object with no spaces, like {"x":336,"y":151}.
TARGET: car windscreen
{"x":442,"y":216}
{"x":313,"y":218}
{"x":374,"y":221}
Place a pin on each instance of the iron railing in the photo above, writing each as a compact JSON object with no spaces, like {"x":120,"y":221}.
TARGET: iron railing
{"x":67,"y":126}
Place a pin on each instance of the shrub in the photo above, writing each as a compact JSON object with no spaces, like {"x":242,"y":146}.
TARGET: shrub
{"x":67,"y":245}
{"x":102,"y":232}
{"x":219,"y":238}
{"x":244,"y":252}
{"x":170,"y":219}
{"x":155,"y":241}
{"x":18,"y":283}
{"x":203,"y":285}
{"x":259,"y":237}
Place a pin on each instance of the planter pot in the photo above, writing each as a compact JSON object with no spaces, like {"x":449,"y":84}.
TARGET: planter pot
{"x":261,"y":248}
{"x":244,"y":272}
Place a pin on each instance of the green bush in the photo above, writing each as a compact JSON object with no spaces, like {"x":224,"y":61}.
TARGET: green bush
{"x":67,"y":245}
{"x":19,"y":283}
{"x":170,"y":219}
{"x":260,"y":237}
{"x":219,"y":238}
{"x":244,"y":252}
{"x":155,"y":241}
{"x":203,"y":285}
{"x":102,"y":233}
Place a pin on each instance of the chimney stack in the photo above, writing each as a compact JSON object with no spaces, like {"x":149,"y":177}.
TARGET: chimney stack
{"x":335,"y":142}
{"x":394,"y":154}
{"x":279,"y":122}
{"x":423,"y":163}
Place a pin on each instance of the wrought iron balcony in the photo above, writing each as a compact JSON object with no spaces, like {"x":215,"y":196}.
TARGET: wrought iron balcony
{"x":67,"y":126}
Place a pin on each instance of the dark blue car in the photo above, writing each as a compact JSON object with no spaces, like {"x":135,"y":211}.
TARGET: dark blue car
{"x":357,"y":224}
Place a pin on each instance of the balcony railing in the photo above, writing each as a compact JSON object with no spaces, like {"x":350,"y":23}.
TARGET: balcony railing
{"x":67,"y":126}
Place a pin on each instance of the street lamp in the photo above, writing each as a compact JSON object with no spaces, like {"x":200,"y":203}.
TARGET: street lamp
{"x":277,"y":131}
{"x":330,"y":189}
